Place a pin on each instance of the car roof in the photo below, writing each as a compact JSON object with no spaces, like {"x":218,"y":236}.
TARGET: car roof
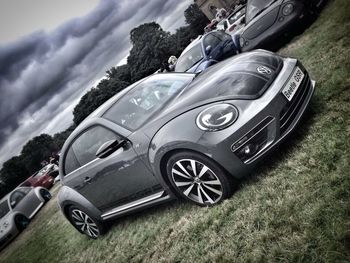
{"x":7,"y":195}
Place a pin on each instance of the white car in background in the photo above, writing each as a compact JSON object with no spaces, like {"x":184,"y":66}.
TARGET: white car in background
{"x":234,"y":22}
{"x":17,"y":208}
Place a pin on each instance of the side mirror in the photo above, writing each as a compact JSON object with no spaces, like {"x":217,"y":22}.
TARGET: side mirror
{"x":109,"y":147}
{"x":208,"y":49}
{"x":236,"y":42}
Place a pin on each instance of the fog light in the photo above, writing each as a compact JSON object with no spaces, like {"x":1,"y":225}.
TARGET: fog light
{"x":247,"y":150}
{"x":250,"y":149}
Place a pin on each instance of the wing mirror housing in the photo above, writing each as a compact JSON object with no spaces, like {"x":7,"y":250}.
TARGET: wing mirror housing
{"x":208,"y":49}
{"x":109,"y":147}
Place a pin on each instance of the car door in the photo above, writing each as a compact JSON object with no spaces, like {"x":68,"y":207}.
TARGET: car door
{"x":24,"y":201}
{"x":114,"y":180}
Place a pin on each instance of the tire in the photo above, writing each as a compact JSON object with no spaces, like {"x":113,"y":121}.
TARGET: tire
{"x":45,"y":194}
{"x":198,"y":179}
{"x":21,"y":222}
{"x":85,"y":223}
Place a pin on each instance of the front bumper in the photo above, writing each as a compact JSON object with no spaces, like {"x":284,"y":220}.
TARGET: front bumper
{"x":264,"y":122}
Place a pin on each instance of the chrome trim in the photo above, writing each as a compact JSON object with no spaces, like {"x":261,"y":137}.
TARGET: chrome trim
{"x":132,"y":204}
{"x":36,"y":210}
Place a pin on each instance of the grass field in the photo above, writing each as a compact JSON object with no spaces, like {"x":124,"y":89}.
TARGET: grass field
{"x":295,"y":208}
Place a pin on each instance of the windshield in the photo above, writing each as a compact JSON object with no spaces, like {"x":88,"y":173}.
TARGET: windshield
{"x":147,"y":98}
{"x":4,"y":208}
{"x":191,"y":57}
{"x":256,"y":6}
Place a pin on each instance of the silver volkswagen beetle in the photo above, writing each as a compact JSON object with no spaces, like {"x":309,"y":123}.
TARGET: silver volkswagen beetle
{"x":17,"y":208}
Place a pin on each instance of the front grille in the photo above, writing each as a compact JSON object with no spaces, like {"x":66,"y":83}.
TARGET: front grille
{"x":292,"y":108}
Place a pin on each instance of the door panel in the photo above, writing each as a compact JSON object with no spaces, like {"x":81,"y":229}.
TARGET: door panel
{"x":115,"y":180}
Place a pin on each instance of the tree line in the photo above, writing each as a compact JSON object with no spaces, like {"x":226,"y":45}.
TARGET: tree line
{"x":151,"y":47}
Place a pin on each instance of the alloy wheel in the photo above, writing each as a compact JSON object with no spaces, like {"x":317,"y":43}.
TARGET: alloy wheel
{"x":197,"y":181}
{"x":85,"y":223}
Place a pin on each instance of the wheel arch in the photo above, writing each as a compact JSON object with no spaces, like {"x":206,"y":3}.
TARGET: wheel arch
{"x":68,"y":197}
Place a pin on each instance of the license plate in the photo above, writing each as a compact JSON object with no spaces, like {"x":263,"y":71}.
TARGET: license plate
{"x":293,"y":84}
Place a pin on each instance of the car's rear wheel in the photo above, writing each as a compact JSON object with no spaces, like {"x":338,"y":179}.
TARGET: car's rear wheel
{"x":85,"y":223}
{"x":21,"y":222}
{"x":45,"y":194}
{"x":198,"y":178}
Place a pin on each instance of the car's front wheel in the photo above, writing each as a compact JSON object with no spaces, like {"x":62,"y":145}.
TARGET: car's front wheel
{"x":198,"y":178}
{"x":85,"y":223}
{"x":45,"y":194}
{"x":21,"y":222}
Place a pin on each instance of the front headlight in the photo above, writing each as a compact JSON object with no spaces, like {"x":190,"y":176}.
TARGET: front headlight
{"x":217,"y":117}
{"x":287,"y":9}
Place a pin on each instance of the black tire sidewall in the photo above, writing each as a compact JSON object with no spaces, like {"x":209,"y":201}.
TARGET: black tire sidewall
{"x":19,"y":218}
{"x":225,"y":179}
{"x":99,"y":224}
{"x":43,"y":192}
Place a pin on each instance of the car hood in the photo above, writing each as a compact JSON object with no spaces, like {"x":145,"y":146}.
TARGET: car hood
{"x":234,"y":78}
{"x":246,"y":76}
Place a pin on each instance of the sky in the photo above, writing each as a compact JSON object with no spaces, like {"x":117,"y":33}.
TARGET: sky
{"x":53,"y":52}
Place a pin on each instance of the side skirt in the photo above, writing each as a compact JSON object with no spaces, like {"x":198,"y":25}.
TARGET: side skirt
{"x":143,"y":201}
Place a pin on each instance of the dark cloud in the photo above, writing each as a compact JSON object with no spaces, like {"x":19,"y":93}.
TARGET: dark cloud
{"x":43,"y":75}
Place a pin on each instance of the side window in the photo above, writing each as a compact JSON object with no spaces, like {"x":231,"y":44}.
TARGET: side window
{"x":211,"y":40}
{"x":84,"y":148}
{"x":16,"y":197}
{"x":71,"y":162}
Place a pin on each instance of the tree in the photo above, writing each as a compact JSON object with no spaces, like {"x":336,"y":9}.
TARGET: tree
{"x":36,"y":150}
{"x":61,"y":137}
{"x":121,"y":73}
{"x":12,"y":174}
{"x":150,"y":49}
{"x":94,"y":98}
{"x":196,"y":19}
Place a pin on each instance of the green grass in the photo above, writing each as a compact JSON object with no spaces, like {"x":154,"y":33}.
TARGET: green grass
{"x":295,"y":208}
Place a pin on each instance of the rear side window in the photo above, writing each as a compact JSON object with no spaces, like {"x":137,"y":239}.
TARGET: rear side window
{"x":71,"y":163}
{"x":16,"y":197}
{"x":84,"y":148}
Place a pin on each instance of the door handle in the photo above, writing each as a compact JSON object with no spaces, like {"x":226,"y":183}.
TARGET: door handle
{"x":87,"y":180}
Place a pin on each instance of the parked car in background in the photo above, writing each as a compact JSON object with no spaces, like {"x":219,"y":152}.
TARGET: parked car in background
{"x":210,"y":26}
{"x":234,"y":22}
{"x":207,"y":50}
{"x":44,"y":177}
{"x":180,"y":135}
{"x":267,"y":20}
{"x":17,"y":208}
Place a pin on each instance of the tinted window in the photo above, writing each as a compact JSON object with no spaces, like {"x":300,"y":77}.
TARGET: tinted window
{"x":4,"y":208}
{"x":87,"y":144}
{"x":25,"y":191}
{"x":71,"y":163}
{"x":254,"y":7}
{"x":16,"y":197}
{"x":191,"y":57}
{"x":215,"y":39}
{"x":147,"y":98}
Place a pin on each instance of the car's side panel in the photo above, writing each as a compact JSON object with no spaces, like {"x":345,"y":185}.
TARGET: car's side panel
{"x":28,"y":204}
{"x":68,"y":196}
